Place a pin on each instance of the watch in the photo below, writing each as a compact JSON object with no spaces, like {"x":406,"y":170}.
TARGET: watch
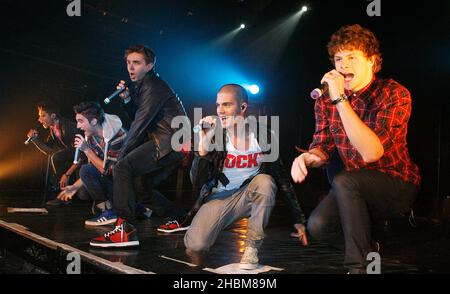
{"x":342,"y":98}
{"x":67,"y":175}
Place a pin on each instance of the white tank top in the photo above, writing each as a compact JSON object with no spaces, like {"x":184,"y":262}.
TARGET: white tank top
{"x":241,"y":165}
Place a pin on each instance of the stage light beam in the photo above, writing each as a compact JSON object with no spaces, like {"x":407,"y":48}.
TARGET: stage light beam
{"x":279,"y":33}
{"x":253,"y":89}
{"x":242,"y":26}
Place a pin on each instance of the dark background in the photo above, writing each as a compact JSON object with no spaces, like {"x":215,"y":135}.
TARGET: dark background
{"x":44,"y":54}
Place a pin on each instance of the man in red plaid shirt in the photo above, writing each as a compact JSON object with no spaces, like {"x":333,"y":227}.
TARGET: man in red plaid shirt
{"x":364,"y":119}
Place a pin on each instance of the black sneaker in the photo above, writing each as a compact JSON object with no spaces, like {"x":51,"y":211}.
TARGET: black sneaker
{"x":57,"y":202}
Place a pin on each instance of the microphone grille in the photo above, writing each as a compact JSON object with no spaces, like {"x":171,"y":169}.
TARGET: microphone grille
{"x":316,"y":93}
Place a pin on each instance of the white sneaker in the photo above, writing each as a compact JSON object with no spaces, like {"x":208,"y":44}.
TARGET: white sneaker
{"x":249,"y":260}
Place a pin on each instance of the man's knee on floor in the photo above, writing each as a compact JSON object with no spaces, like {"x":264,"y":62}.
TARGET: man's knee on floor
{"x":195,"y":242}
{"x":315,"y":226}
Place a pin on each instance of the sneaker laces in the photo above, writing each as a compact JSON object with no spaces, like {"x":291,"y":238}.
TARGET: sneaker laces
{"x":116,"y":229}
{"x":172,"y":222}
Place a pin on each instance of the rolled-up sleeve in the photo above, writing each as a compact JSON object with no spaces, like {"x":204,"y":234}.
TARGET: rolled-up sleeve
{"x":392,"y":118}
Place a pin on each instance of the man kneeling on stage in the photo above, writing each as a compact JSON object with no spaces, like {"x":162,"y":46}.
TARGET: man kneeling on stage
{"x":104,"y":137}
{"x":238,"y":179}
{"x":364,"y":119}
{"x":147,"y":150}
{"x":58,"y":145}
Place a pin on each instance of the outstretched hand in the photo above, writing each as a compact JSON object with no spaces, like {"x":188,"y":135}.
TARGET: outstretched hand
{"x":67,"y":193}
{"x":300,"y":233}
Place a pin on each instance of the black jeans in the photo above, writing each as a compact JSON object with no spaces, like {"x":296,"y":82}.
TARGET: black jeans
{"x":61,"y":160}
{"x":356,"y":199}
{"x":139,"y":162}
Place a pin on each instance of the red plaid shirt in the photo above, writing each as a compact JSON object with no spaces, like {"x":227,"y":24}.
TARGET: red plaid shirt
{"x":383,"y":105}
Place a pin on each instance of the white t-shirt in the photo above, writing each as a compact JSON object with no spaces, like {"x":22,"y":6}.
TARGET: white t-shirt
{"x":241,"y":165}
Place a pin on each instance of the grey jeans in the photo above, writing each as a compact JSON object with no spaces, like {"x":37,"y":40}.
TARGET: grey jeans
{"x":254,"y":200}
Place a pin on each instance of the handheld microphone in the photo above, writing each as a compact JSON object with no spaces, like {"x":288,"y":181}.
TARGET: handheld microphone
{"x":318,"y":92}
{"x":114,"y":95}
{"x":77,"y":154}
{"x":197,"y":128}
{"x":30,"y":139}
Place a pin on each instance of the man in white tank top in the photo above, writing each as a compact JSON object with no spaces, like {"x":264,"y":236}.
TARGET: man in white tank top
{"x":241,"y":190}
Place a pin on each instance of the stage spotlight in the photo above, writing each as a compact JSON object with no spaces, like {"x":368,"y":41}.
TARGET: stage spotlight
{"x":253,"y":89}
{"x":242,"y":26}
{"x":279,"y":33}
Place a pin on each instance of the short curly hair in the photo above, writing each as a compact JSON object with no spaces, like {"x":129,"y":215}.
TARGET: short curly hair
{"x":355,"y":37}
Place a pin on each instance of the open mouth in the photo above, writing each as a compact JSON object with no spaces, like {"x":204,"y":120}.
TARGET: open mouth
{"x":348,"y":77}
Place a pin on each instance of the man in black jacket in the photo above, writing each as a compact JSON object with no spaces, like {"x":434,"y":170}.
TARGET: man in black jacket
{"x":58,"y":145}
{"x":147,"y":149}
{"x":239,"y":177}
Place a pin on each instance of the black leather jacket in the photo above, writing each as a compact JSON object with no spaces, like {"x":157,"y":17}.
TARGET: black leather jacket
{"x":207,"y":171}
{"x":153,"y":106}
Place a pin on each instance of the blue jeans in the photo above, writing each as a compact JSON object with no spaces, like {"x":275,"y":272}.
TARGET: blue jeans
{"x":100,"y":188}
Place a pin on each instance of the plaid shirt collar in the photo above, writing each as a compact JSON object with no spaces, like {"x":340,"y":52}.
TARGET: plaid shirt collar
{"x":364,"y":93}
